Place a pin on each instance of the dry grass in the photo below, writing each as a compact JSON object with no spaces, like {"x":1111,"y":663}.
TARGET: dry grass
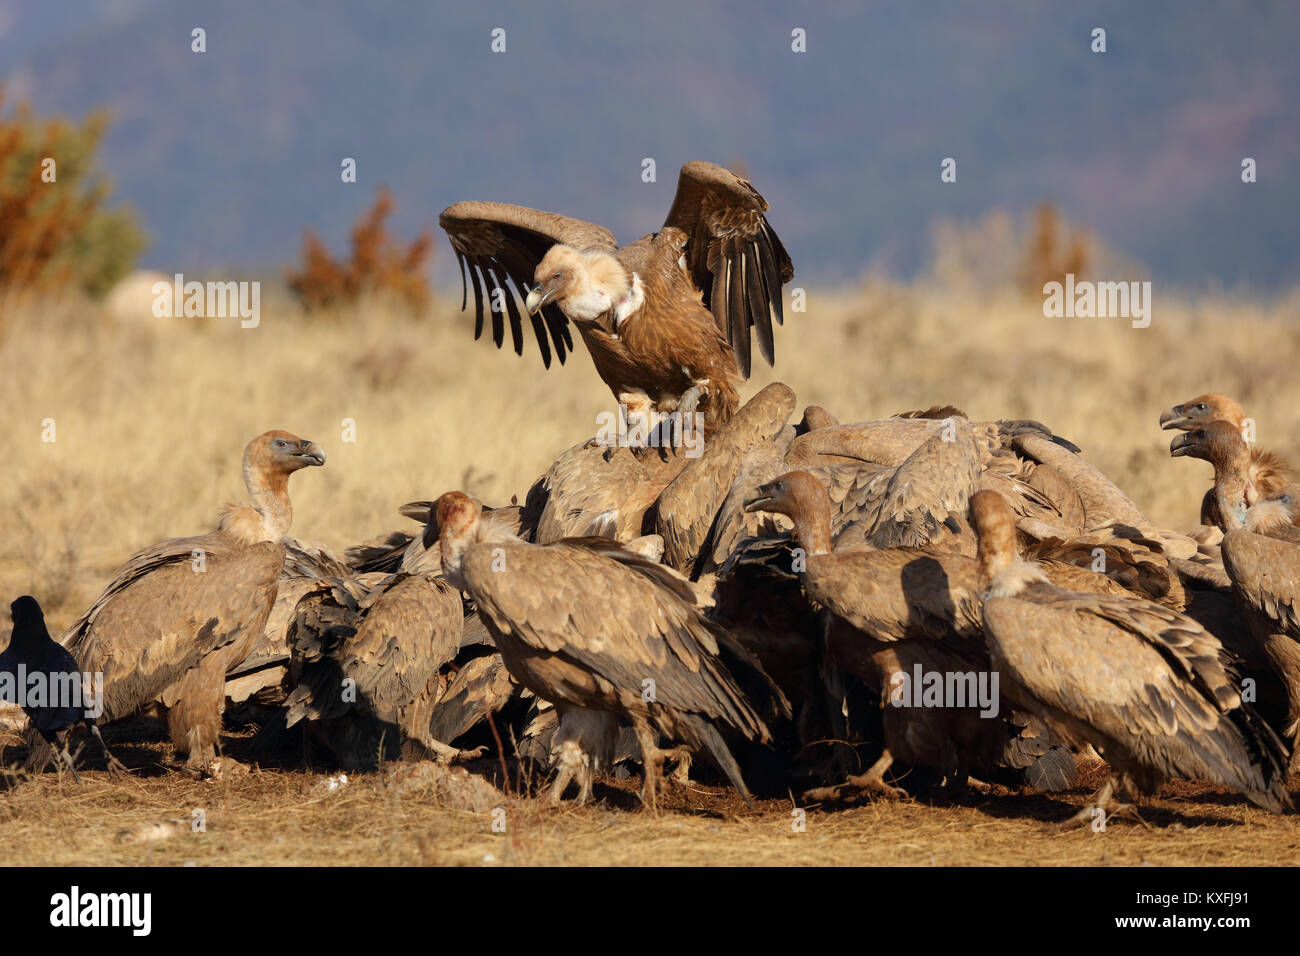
{"x":152,"y":415}
{"x":275,"y":818}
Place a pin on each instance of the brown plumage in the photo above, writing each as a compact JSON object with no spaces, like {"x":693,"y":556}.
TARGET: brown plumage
{"x":894,"y":610}
{"x":919,"y":502}
{"x":1220,"y":443}
{"x":1148,"y":687}
{"x":1266,"y":470}
{"x":1277,"y":515}
{"x":378,"y":675}
{"x":667,"y":319}
{"x":590,"y":626}
{"x":687,"y":507}
{"x":1263,"y":568}
{"x":180,"y":614}
{"x":591,"y":490}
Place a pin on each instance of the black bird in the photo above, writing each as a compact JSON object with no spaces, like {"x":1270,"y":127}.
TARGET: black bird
{"x":31,"y":647}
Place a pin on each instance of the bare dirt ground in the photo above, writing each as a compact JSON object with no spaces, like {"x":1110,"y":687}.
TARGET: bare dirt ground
{"x":273,"y":817}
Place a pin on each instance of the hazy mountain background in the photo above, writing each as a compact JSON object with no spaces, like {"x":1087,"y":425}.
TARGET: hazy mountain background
{"x":230,"y":154}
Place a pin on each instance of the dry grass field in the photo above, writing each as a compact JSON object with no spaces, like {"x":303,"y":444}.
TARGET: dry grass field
{"x":151,"y":416}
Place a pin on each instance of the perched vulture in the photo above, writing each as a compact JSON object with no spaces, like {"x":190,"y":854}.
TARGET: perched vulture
{"x":60,"y":707}
{"x":1266,"y":470}
{"x":182,"y":613}
{"x":590,"y":626}
{"x":1260,"y":557}
{"x":897,"y":609}
{"x":1148,"y":687}
{"x":667,"y":319}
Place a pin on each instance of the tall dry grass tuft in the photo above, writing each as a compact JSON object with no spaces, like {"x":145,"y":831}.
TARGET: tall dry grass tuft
{"x":151,"y":417}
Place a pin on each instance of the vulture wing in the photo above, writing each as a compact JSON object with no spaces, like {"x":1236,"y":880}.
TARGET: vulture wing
{"x":935,"y":481}
{"x":499,"y":246}
{"x":410,"y":629}
{"x":145,"y":636}
{"x":141,"y":564}
{"x":612,"y":619}
{"x":897,"y":593}
{"x":1144,"y":677}
{"x":1264,"y":573}
{"x":732,"y":254}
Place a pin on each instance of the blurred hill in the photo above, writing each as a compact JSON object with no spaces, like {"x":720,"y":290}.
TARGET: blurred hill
{"x":229,"y":155}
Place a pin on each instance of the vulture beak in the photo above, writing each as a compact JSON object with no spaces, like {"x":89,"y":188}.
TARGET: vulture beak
{"x":1181,"y":445}
{"x":537,"y":298}
{"x":759,"y":499}
{"x":1173,"y":418}
{"x":309,"y":453}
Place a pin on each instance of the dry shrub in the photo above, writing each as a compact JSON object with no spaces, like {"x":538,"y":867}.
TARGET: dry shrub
{"x":999,"y":252}
{"x":1052,"y":251}
{"x":58,"y":234}
{"x":380,"y":265}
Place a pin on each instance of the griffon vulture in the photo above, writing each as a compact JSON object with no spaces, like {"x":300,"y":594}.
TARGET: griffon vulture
{"x":590,"y":626}
{"x":1259,"y":558}
{"x":1266,"y":470}
{"x":1148,"y":687}
{"x":181,"y":613}
{"x":667,"y":319}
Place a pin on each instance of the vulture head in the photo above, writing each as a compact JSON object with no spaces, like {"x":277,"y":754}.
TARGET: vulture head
{"x":804,"y":500}
{"x":793,"y":493}
{"x":1202,"y":410}
{"x":995,"y":529}
{"x":280,"y":453}
{"x":1215,"y":442}
{"x":457,"y":516}
{"x":269,"y":460}
{"x":585,"y":285}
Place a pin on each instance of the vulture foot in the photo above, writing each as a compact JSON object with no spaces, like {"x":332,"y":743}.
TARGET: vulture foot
{"x":873,"y":781}
{"x":682,"y":772}
{"x":444,"y":753}
{"x":1103,"y":806}
{"x":652,"y":760}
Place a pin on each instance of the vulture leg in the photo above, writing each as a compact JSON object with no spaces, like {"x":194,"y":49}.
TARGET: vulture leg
{"x":682,"y":772}
{"x":652,"y":760}
{"x":873,"y":780}
{"x":1103,"y":802}
{"x":688,"y":405}
{"x":445,"y":753}
{"x":571,"y":762}
{"x":115,"y":766}
{"x":194,"y":719}
{"x":637,"y":409}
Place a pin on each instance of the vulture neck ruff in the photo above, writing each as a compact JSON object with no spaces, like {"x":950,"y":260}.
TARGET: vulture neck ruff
{"x":1234,"y":491}
{"x":272,"y":513}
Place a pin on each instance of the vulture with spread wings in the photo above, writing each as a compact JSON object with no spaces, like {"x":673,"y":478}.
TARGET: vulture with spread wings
{"x":668,"y":319}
